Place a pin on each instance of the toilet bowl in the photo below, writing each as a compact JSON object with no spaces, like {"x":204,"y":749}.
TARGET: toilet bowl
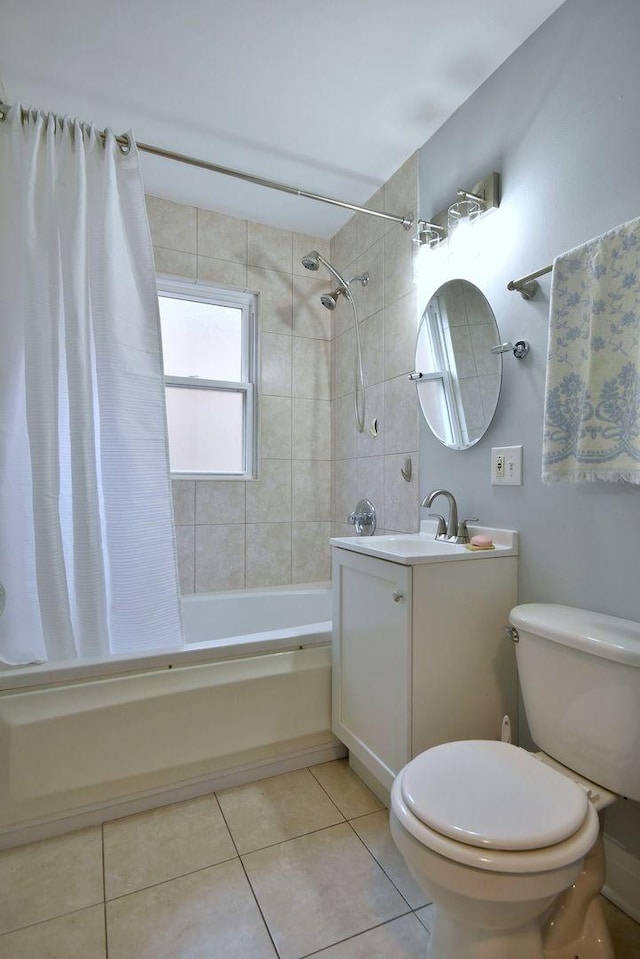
{"x":492,"y":836}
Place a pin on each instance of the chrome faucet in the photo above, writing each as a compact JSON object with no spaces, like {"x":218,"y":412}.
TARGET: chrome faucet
{"x":450,"y":530}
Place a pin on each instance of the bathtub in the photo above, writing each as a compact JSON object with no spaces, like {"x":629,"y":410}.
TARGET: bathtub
{"x":248,"y":696}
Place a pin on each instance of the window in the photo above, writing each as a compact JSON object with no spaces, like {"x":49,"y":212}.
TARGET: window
{"x":209,"y":347}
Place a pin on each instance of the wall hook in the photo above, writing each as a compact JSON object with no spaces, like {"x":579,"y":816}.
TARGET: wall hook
{"x":406,"y":470}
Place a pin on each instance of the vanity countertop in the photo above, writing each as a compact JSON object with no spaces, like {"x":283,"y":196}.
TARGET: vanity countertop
{"x":412,"y":549}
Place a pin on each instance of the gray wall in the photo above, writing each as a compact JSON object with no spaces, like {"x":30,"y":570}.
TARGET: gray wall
{"x":559,"y":120}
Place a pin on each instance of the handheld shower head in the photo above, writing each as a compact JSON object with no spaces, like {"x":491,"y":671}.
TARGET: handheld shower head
{"x":311,"y":261}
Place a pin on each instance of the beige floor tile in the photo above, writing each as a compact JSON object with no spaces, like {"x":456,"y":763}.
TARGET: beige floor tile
{"x":348,"y":792}
{"x":80,"y":935}
{"x":625,"y":932}
{"x":402,"y":938}
{"x":50,"y":878}
{"x":317,"y":890}
{"x":375,"y":834}
{"x":163,"y":844}
{"x":273,"y":810}
{"x":209,"y":914}
{"x":426,"y":916}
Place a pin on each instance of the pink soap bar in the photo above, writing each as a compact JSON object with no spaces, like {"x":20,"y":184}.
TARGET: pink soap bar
{"x":482,"y":541}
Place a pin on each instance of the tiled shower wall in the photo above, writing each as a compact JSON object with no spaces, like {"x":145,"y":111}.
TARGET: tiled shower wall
{"x":313,"y":464}
{"x":274,"y":530}
{"x":368,"y":464}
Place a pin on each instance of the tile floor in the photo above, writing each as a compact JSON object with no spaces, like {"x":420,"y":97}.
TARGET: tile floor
{"x":297,"y":865}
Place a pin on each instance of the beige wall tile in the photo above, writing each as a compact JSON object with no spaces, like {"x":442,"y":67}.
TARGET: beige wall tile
{"x":367,"y":443}
{"x":371,"y":229}
{"x":276,"y":299}
{"x":173,"y":225}
{"x":175,"y":263}
{"x":371,"y":483}
{"x":310,"y":318}
{"x":401,"y":416}
{"x":269,"y":497}
{"x":268,"y":554}
{"x":311,"y":490}
{"x":373,"y":348}
{"x":400,"y":331}
{"x":344,"y":245}
{"x":275,"y":427}
{"x":222,"y":272}
{"x":346,"y":435}
{"x":269,"y":248}
{"x":401,"y":506}
{"x":344,"y":357}
{"x":184,"y":499}
{"x":346,"y":490}
{"x":311,"y":368}
{"x":310,"y":552}
{"x":219,"y":502}
{"x":370,"y":298}
{"x":186,"y":548}
{"x":219,"y":557}
{"x":311,"y":426}
{"x":275,"y":364}
{"x":50,"y":878}
{"x":222,"y":237}
{"x":398,"y":264}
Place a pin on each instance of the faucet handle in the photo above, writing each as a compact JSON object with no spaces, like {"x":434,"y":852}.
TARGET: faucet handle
{"x":441,"y":532}
{"x":463,"y":532}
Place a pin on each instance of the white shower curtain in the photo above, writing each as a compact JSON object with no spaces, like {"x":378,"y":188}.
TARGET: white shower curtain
{"x":87,"y":544}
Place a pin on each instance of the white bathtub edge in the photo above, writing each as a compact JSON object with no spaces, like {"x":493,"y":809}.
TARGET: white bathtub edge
{"x":98,"y":813}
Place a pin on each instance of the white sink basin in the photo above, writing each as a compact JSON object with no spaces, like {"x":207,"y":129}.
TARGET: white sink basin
{"x":412,"y":548}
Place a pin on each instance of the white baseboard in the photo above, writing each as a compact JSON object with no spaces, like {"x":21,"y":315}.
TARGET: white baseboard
{"x":99,"y":813}
{"x":622,"y":885}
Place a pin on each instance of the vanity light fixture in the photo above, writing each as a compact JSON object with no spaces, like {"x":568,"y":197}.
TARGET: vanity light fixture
{"x":468,"y":206}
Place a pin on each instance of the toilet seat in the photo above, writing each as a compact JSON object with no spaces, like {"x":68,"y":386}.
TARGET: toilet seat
{"x":492,"y":794}
{"x":414,"y":804}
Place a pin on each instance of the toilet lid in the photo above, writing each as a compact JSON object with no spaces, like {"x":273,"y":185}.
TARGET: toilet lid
{"x":493,"y":795}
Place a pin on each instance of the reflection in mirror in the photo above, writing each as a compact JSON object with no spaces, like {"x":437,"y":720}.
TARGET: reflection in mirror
{"x":460,"y":378}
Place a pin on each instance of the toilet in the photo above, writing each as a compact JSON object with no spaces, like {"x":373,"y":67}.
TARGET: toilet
{"x":507,"y":843}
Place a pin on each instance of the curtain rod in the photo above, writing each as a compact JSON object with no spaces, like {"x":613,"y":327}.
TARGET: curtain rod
{"x":406,"y":220}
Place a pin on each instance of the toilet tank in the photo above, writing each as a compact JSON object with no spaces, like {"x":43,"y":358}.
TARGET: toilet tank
{"x":579,"y":674}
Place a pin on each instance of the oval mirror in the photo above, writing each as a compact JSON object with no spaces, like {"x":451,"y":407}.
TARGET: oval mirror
{"x":460,"y":377}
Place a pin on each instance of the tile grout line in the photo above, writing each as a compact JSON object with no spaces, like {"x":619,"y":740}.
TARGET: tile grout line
{"x":246,"y":875}
{"x":381,"y":867}
{"x":339,"y":942}
{"x":104,"y":895}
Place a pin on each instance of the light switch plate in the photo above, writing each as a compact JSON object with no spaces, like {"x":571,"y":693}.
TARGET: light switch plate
{"x":506,"y":466}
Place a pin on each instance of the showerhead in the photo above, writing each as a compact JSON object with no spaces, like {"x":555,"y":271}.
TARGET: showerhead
{"x":330,"y":300}
{"x":311,"y":261}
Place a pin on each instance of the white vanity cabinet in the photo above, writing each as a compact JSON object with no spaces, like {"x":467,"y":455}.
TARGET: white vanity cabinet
{"x":420,"y":655}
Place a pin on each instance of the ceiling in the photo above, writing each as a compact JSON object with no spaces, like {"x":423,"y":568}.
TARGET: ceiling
{"x":330,"y":96}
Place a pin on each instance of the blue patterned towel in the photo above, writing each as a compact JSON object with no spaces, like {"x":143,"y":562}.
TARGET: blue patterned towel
{"x":592,"y":404}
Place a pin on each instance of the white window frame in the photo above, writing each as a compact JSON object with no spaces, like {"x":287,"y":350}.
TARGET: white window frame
{"x":248,"y":304}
